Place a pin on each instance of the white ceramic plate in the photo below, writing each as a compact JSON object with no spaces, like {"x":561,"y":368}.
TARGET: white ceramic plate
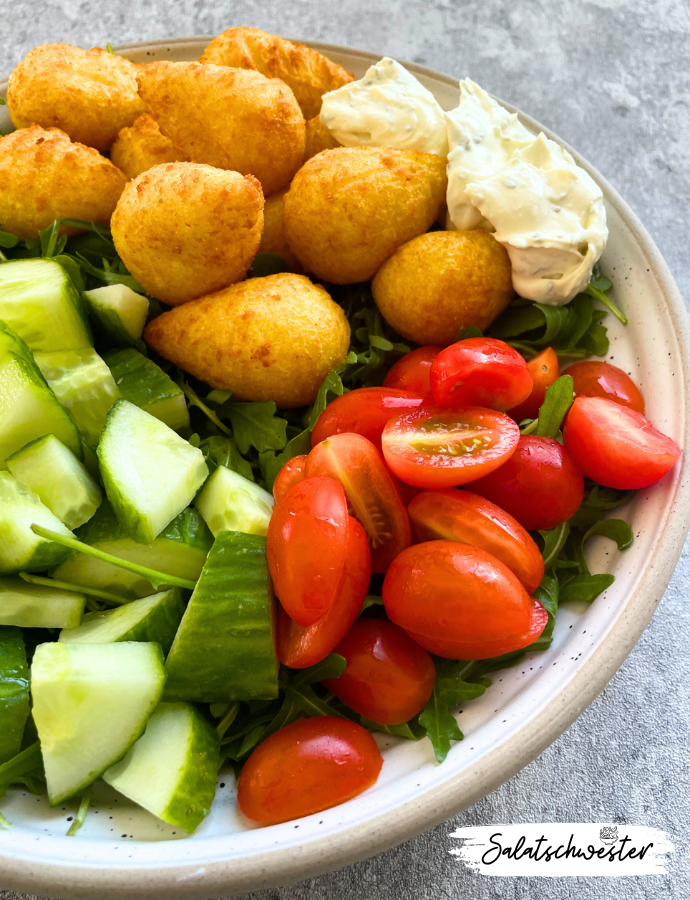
{"x":123,"y":852}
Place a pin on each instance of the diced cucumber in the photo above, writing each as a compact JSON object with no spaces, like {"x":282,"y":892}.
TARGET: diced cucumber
{"x":39,"y":301}
{"x":91,"y":702}
{"x":14,"y":692}
{"x":180,"y":549}
{"x":57,"y":477}
{"x":84,"y":385}
{"x":38,"y":606}
{"x":230,"y":502}
{"x":149,"y":472}
{"x":171,"y":770}
{"x":120,"y":314}
{"x":91,"y":462}
{"x":20,"y":548}
{"x":28,"y":407}
{"x":147,"y":386}
{"x":224,"y":648}
{"x":155,"y":618}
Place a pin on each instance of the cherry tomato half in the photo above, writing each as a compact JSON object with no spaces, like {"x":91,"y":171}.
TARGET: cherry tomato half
{"x":455,"y":515}
{"x":616,"y":446}
{"x":299,"y":646}
{"x":480,"y":372}
{"x":291,"y":473}
{"x":441,"y":447}
{"x":389,"y":678}
{"x":307,"y":766}
{"x":306,"y":546}
{"x":601,"y":379}
{"x":460,"y":602}
{"x":411,"y":372}
{"x":543,"y":370}
{"x":371,"y":491}
{"x":364,"y":411}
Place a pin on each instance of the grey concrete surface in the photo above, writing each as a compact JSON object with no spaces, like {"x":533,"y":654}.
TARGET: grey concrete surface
{"x":612,"y":77}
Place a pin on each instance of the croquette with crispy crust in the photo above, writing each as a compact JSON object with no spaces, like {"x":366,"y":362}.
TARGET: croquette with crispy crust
{"x":317,"y":138}
{"x":142,"y":146}
{"x":273,"y":238}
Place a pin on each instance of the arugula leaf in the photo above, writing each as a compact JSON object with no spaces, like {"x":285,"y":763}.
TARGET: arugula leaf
{"x":547,"y":595}
{"x":110,"y":273}
{"x":267,"y":264}
{"x":450,"y":688}
{"x":8,"y":240}
{"x":332,"y":666}
{"x":411,"y":730}
{"x":585,"y":588}
{"x":616,"y":529}
{"x":470,"y":332}
{"x":256,"y":425}
{"x":371,"y":600}
{"x":557,"y":401}
{"x":220,"y":450}
{"x":554,"y":541}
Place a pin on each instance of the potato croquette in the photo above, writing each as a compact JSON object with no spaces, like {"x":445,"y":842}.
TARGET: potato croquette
{"x":89,"y":94}
{"x":349,"y":209}
{"x":309,"y":73}
{"x":273,"y":338}
{"x":44,"y":176}
{"x":184,"y":229}
{"x":229,"y":118}
{"x":317,"y":138}
{"x":142,"y":146}
{"x":273,"y":238}
{"x":441,"y":282}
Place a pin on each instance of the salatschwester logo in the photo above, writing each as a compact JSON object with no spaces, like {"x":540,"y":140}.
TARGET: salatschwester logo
{"x":559,"y":849}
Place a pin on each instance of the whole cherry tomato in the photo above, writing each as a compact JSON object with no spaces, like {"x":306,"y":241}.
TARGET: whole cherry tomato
{"x":306,"y":547}
{"x":411,"y":372}
{"x":441,"y":447}
{"x":455,"y":515}
{"x":543,"y":370}
{"x":541,"y":486}
{"x":299,"y":646}
{"x":616,"y":446}
{"x":389,"y":678}
{"x":364,"y":411}
{"x":371,"y":491}
{"x":601,"y":379}
{"x":307,"y":766}
{"x":480,"y":372}
{"x":460,"y":602}
{"x":291,"y":473}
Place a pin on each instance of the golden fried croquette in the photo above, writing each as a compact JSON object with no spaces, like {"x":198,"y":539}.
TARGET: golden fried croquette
{"x":441,"y":282}
{"x":273,"y":338}
{"x":89,"y":94}
{"x":309,"y":73}
{"x":229,"y":118}
{"x":142,"y":146}
{"x":318,"y":138}
{"x":185,"y":229}
{"x":273,"y":238}
{"x":44,"y":176}
{"x":349,"y":209}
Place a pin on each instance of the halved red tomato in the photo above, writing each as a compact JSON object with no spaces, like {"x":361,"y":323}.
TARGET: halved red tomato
{"x":601,"y":379}
{"x":411,"y":372}
{"x":543,"y":370}
{"x":364,"y":411}
{"x":291,"y":473}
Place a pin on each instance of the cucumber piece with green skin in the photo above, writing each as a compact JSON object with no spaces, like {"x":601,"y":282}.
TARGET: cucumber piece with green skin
{"x":54,"y":473}
{"x":147,"y":386}
{"x":155,"y":618}
{"x":28,"y":407}
{"x":38,"y":606}
{"x":230,"y":502}
{"x":180,"y":549}
{"x":84,"y":385}
{"x":224,"y":649}
{"x":171,"y":770}
{"x":91,"y":702}
{"x":120,"y":314}
{"x":149,"y":472}
{"x":39,"y":301}
{"x":14,"y":692}
{"x":21,"y":549}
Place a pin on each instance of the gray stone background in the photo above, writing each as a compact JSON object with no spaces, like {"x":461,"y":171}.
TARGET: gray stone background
{"x":612,"y":77}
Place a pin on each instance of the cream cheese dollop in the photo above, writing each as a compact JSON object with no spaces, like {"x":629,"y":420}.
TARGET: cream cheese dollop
{"x":389,"y":107}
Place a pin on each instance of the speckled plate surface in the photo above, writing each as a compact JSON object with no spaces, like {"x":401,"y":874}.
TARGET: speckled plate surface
{"x":123,"y":852}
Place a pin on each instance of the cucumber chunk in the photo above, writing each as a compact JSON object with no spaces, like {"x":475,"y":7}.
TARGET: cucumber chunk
{"x":155,"y":618}
{"x":149,"y":472}
{"x":20,"y":548}
{"x":120,"y":314}
{"x":28,"y":407}
{"x":230,"y":502}
{"x":14,"y":692}
{"x":56,"y":476}
{"x":38,"y":606}
{"x":171,"y":770}
{"x":39,"y":301}
{"x":84,"y":385}
{"x":180,"y":549}
{"x":224,"y":649}
{"x":91,"y":702}
{"x":147,"y":386}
